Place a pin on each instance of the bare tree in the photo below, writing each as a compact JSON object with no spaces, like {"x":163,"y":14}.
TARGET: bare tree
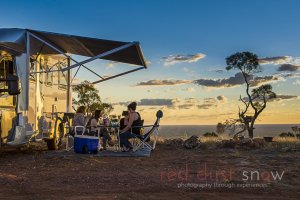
{"x":234,"y":126}
{"x":256,"y":100}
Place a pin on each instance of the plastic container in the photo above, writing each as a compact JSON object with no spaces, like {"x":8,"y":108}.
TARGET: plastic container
{"x":85,"y":143}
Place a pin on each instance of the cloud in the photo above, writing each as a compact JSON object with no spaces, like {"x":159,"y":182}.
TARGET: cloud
{"x":279,"y":98}
{"x":288,"y":75}
{"x":221,"y":98}
{"x":260,"y":80}
{"x":156,"y":102}
{"x":282,"y":97}
{"x":192,"y":103}
{"x":179,"y":58}
{"x":188,"y":70}
{"x":111,"y":64}
{"x":287,"y":63}
{"x":175,"y":105}
{"x":191,"y":89}
{"x":219,"y":70}
{"x":237,"y":80}
{"x":208,"y":103}
{"x":151,"y":102}
{"x":288,"y":67}
{"x":163,"y":82}
{"x":185,"y":106}
{"x":297,"y":82}
{"x":275,"y":60}
{"x":106,"y":75}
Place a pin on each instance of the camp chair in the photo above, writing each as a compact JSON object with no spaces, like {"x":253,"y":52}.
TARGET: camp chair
{"x":70,"y":136}
{"x":142,"y":141}
{"x":69,"y":142}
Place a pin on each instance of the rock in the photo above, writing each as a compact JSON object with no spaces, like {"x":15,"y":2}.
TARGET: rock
{"x":191,"y":142}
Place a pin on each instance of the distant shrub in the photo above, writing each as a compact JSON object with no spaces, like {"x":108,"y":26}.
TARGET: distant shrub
{"x":210,"y":134}
{"x":288,"y":134}
{"x":298,"y":136}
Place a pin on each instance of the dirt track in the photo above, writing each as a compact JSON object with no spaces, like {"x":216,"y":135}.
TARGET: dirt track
{"x":40,"y":174}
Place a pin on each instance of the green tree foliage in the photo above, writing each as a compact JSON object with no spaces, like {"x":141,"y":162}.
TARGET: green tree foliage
{"x":256,"y":101}
{"x":88,"y":96}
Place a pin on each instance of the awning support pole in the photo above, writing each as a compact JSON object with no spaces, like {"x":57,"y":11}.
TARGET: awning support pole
{"x":101,"y":55}
{"x":69,"y":89}
{"x":111,"y":77}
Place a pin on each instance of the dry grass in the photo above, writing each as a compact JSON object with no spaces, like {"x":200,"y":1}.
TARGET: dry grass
{"x":286,"y":142}
{"x":160,"y":140}
{"x":279,"y":143}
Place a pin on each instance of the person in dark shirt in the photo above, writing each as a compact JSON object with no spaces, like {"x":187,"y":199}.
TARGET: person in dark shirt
{"x":133,"y":127}
{"x":124,"y":120}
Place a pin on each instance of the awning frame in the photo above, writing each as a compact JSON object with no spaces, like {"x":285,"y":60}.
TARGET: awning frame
{"x":79,"y":64}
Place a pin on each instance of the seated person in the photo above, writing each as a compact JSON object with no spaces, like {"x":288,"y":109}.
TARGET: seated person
{"x":79,"y":120}
{"x":103,"y":130}
{"x":124,"y":120}
{"x":133,"y":127}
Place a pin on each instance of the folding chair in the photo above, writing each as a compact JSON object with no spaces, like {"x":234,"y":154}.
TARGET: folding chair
{"x":70,"y":137}
{"x":142,"y":141}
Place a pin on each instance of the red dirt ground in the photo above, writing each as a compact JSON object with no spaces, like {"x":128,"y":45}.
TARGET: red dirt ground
{"x":35,"y":173}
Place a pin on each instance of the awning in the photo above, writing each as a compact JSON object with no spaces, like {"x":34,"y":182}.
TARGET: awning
{"x":14,"y":40}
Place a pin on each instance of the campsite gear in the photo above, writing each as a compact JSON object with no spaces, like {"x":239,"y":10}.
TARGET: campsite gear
{"x":85,"y":143}
{"x":142,"y":141}
{"x":35,"y":101}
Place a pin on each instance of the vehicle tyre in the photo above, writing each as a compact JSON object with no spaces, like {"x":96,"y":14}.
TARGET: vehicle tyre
{"x":53,"y":144}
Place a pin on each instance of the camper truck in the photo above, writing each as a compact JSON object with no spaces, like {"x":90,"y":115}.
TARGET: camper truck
{"x":36,"y":80}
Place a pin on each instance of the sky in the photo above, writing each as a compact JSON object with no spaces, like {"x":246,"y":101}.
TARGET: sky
{"x":185,"y":44}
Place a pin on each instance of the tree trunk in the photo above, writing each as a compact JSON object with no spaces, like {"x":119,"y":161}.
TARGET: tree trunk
{"x":250,"y":132}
